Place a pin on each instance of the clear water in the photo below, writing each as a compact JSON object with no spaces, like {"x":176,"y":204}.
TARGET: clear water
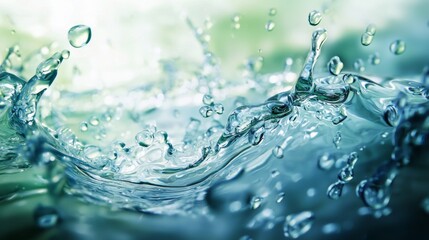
{"x":262,"y":170}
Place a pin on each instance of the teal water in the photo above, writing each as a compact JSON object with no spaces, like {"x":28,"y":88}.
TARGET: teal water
{"x":252,"y":165}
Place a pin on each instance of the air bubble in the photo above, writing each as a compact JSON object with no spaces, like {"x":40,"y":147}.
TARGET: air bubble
{"x":206,"y":111}
{"x":335,"y":190}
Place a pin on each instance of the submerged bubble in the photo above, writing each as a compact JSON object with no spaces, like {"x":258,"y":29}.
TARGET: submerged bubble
{"x":278,"y":152}
{"x":337,"y":139}
{"x":79,"y":36}
{"x":335,"y":65}
{"x":255,"y":202}
{"x":397,"y":47}
{"x":269,"y":26}
{"x":297,"y":224}
{"x":314,"y":17}
{"x":46,"y":217}
{"x":236,"y":21}
{"x":331,"y":228}
{"x":335,"y":190}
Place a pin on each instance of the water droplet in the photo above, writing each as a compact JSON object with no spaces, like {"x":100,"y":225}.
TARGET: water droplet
{"x":94,"y":121}
{"x":278,"y":152}
{"x":46,"y":217}
{"x":269,"y":26}
{"x":218,"y":108}
{"x":397,"y":47}
{"x":335,"y":190}
{"x":366,"y":38}
{"x":206,"y":111}
{"x":314,"y":17}
{"x":255,"y":202}
{"x":298,"y":224}
{"x":272,"y":12}
{"x":335,"y":65}
{"x":84,"y":126}
{"x":359,"y":65}
{"x":280,"y":197}
{"x":208,"y":99}
{"x":371,"y":29}
{"x":144,"y":138}
{"x":12,"y":31}
{"x":65,"y":54}
{"x":374,"y":59}
{"x":352,"y":159}
{"x":79,"y":36}
{"x":337,"y":139}
{"x":346,"y":174}
{"x":326,"y":161}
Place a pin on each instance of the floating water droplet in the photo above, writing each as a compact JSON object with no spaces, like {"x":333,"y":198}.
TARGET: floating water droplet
{"x":278,"y":152}
{"x":65,"y":54}
{"x":346,"y":174}
{"x":144,"y":138}
{"x":84,"y":126}
{"x":269,"y":26}
{"x":280,"y":197}
{"x":371,"y":29}
{"x":12,"y":31}
{"x":397,"y":47}
{"x":218,"y":108}
{"x":94,"y":121}
{"x":208,"y":99}
{"x":374,"y":59}
{"x":272,"y":12}
{"x":79,"y":36}
{"x":337,"y":139}
{"x":335,"y":65}
{"x":359,"y":65}
{"x":366,"y":38}
{"x":352,"y":159}
{"x":206,"y":111}
{"x":46,"y":217}
{"x":298,"y":224}
{"x":335,"y":190}
{"x":326,"y":161}
{"x":314,"y":17}
{"x":255,"y":202}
